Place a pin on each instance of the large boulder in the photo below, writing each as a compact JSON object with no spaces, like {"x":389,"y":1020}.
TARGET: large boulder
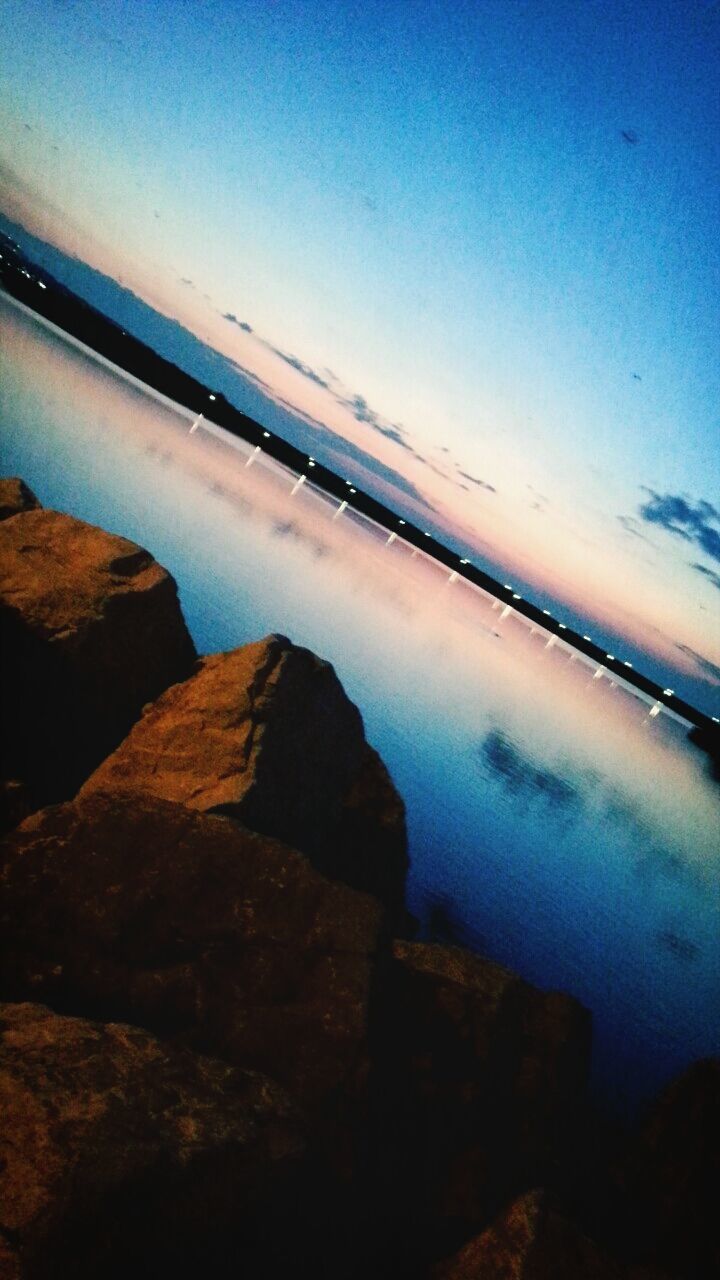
{"x":666,"y":1186}
{"x":221,"y":939}
{"x":531,"y":1240}
{"x":485,"y":1076}
{"x":15,"y":496}
{"x":122,"y":1157}
{"x":266,"y":735}
{"x":90,"y":630}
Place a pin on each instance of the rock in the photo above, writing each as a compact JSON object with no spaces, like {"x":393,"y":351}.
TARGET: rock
{"x":532,"y":1241}
{"x":90,"y":630}
{"x":120,"y":1156}
{"x":668,"y":1183}
{"x":266,"y":735}
{"x":15,"y":496}
{"x":220,"y":939}
{"x":488,"y":1075}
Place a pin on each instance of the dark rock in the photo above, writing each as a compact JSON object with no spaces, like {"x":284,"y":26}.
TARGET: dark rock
{"x":221,"y":939}
{"x":121,"y":1157}
{"x":15,"y":496}
{"x":533,"y":1241}
{"x":488,"y":1074}
{"x":668,"y":1184}
{"x":266,"y":735}
{"x":90,"y":630}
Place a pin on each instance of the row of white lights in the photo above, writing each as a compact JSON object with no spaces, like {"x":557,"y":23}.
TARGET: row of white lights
{"x":668,"y":693}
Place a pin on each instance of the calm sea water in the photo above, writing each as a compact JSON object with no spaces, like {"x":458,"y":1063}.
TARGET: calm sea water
{"x":554,"y":825}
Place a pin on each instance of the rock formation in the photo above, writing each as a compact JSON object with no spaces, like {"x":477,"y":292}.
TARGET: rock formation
{"x":221,"y":939}
{"x":15,"y":496}
{"x":266,"y":735}
{"x":370,"y":1106}
{"x":484,"y":1076}
{"x":532,"y":1240}
{"x":90,"y":630}
{"x":120,"y":1156}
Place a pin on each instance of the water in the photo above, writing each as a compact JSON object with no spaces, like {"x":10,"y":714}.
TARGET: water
{"x":553,"y":824}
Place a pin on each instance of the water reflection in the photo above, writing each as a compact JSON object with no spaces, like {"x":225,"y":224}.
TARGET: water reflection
{"x":520,"y":774}
{"x":554,"y":825}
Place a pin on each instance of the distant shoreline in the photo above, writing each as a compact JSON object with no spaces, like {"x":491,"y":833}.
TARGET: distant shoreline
{"x":44,"y":296}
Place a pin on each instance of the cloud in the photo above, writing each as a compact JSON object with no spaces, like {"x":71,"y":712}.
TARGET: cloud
{"x":710,"y":671}
{"x":708,"y":573}
{"x":630,"y":525}
{"x":482,"y":484}
{"x":363,"y":413}
{"x":300,"y":366}
{"x":229,"y":315}
{"x":698,"y":523}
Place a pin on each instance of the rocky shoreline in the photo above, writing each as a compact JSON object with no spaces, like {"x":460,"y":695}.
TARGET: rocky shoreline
{"x":222,"y":1049}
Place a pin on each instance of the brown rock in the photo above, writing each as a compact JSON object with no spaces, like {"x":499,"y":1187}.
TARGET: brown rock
{"x":90,"y":630}
{"x":488,"y":1072}
{"x":120,"y":1156}
{"x":15,"y":496}
{"x":266,"y":735}
{"x":531,"y":1241}
{"x":224,"y":940}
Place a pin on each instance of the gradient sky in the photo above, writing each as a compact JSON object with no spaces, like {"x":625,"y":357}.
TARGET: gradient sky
{"x":495,"y":222}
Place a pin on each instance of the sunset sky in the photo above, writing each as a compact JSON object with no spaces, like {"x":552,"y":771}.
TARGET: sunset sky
{"x":477,"y":240}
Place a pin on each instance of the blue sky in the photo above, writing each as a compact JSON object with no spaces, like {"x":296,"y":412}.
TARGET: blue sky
{"x":437,"y":203}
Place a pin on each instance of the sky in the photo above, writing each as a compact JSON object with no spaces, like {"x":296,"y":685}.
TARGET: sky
{"x":477,"y":240}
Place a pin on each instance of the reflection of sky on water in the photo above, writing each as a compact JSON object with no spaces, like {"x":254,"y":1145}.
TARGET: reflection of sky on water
{"x":552,"y":823}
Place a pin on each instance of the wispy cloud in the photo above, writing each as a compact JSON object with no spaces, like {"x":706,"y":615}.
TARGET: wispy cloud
{"x":481,"y":484}
{"x":694,"y":522}
{"x":241,"y":324}
{"x":630,"y":525}
{"x":710,"y":574}
{"x":709,"y":670}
